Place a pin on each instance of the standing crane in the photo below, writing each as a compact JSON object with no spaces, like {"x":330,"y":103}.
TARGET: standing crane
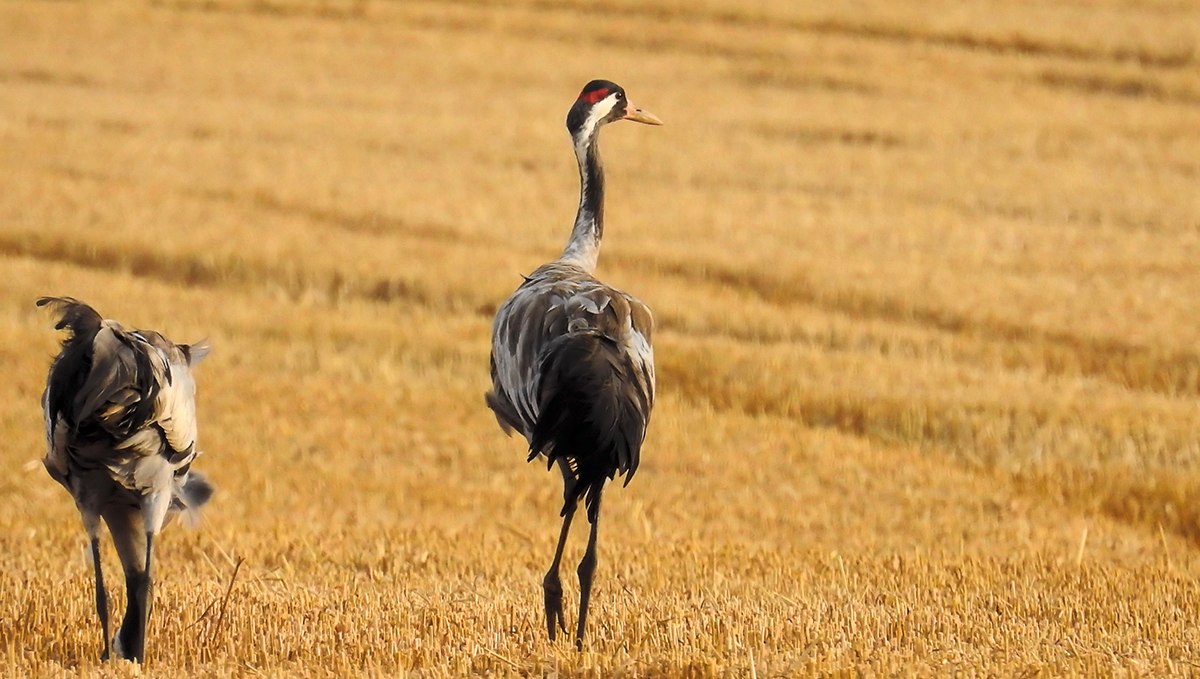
{"x":121,"y":438}
{"x":572,"y":365}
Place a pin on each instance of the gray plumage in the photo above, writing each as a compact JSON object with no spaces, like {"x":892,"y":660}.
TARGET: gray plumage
{"x":573,"y":372}
{"x":120,"y":415}
{"x":572,"y":362}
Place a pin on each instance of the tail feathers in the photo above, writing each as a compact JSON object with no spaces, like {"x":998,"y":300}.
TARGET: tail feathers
{"x":191,"y":496}
{"x":100,"y":376}
{"x":196,"y":351}
{"x":82,"y":319}
{"x":70,"y":370}
{"x":591,"y":412}
{"x":505,"y":414}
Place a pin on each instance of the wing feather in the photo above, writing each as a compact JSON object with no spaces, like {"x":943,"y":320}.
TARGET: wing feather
{"x":175,"y":407}
{"x":128,"y":392}
{"x":122,"y":401}
{"x":560,"y":300}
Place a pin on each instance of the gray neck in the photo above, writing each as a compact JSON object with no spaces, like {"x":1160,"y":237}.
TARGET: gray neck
{"x":584,"y":247}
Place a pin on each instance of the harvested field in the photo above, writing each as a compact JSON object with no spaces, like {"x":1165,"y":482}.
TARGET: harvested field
{"x":925,"y":282}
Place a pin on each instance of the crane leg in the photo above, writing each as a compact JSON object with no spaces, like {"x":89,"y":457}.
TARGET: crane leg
{"x":135,"y":546}
{"x":93,"y":528}
{"x":551,"y":585}
{"x":137,"y":614}
{"x":587,"y":567}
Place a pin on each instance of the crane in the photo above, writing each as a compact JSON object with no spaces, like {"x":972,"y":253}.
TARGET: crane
{"x":572,"y":363}
{"x":121,"y":438}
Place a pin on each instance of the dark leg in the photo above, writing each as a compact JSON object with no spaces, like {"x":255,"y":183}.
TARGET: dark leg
{"x":137,"y":614}
{"x":101,"y":599}
{"x":587,"y":567}
{"x":551,"y":585}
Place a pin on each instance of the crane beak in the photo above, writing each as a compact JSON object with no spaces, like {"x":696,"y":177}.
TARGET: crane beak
{"x":637,"y":115}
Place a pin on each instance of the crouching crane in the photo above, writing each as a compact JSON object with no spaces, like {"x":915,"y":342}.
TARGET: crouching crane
{"x":572,"y":365}
{"x":121,"y":437}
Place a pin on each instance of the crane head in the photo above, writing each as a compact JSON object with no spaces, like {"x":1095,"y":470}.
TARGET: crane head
{"x":602,"y":102}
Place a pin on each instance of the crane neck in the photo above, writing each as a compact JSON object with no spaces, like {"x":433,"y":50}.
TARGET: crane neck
{"x":583,"y":249}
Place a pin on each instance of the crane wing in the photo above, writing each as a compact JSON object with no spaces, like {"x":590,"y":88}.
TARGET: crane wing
{"x":555,"y":301}
{"x":121,"y":399}
{"x":169,"y":393}
{"x":119,"y":391}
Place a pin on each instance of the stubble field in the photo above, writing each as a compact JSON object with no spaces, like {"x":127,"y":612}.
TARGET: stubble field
{"x":925,"y":282}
